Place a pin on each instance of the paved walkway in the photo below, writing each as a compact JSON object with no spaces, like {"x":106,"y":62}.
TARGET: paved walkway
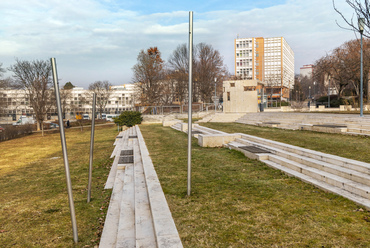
{"x":138,"y":214}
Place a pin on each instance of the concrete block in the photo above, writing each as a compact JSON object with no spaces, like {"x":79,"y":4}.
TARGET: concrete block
{"x":216,"y":140}
{"x":168,"y":123}
{"x":184,"y":127}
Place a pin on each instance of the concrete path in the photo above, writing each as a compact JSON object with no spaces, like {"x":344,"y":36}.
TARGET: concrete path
{"x":138,"y":214}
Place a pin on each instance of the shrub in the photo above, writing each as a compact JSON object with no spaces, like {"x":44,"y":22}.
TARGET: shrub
{"x":335,"y":102}
{"x":128,"y":118}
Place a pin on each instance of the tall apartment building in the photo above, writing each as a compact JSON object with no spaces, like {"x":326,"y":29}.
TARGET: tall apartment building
{"x":270,"y":60}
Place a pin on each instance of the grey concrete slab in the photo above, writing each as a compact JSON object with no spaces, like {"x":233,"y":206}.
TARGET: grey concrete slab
{"x":145,"y":236}
{"x":109,"y":235}
{"x":165,"y":228}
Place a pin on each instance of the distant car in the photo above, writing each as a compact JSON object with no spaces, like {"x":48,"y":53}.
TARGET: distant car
{"x":1,"y":129}
{"x":53,"y":125}
{"x":86,"y":117}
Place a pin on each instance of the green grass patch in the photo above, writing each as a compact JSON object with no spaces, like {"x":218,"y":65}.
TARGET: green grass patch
{"x":239,"y":202}
{"x":34,"y":210}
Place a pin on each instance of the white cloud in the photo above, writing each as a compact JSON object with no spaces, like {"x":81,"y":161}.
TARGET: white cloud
{"x":94,"y":41}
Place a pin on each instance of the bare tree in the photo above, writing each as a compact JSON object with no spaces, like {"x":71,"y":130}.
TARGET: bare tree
{"x":149,"y":76}
{"x":208,"y":66}
{"x":361,"y":10}
{"x":178,"y":64}
{"x":103,"y":90}
{"x":343,"y":68}
{"x":3,"y":85}
{"x":66,"y":97}
{"x":34,"y":78}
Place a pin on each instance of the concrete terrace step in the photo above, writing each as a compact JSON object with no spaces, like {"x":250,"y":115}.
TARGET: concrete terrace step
{"x":343,"y":162}
{"x":138,"y":214}
{"x":296,"y":120}
{"x":346,"y":177}
{"x":320,"y":184}
{"x":333,"y":168}
{"x":332,"y":179}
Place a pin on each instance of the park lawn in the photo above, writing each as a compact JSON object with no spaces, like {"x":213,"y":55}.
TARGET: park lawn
{"x":239,"y":202}
{"x":34,"y":209}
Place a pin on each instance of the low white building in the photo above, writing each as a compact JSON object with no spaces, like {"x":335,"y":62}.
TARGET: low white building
{"x":15,"y":103}
{"x":242,"y":96}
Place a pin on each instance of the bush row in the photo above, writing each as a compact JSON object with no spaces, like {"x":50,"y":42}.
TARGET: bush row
{"x":12,"y":132}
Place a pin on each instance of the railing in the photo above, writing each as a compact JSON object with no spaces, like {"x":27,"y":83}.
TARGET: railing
{"x":178,"y":109}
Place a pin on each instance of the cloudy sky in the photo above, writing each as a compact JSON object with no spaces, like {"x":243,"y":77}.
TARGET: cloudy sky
{"x":100,"y":39}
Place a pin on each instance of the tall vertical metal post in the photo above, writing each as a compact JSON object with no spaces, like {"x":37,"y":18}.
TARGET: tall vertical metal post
{"x":91,"y":148}
{"x":190,"y":97}
{"x":64,"y":148}
{"x":329,"y":94}
{"x":362,"y":81}
{"x":215,"y":93}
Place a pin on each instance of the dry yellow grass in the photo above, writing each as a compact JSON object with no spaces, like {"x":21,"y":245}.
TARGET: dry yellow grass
{"x":34,"y":209}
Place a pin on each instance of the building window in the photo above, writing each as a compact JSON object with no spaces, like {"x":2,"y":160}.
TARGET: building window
{"x":249,"y":88}
{"x":232,"y":84}
{"x":228,"y":96}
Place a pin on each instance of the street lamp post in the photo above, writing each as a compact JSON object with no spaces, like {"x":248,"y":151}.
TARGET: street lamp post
{"x":215,"y":94}
{"x":361,"y":24}
{"x":329,"y":93}
{"x":309,"y":92}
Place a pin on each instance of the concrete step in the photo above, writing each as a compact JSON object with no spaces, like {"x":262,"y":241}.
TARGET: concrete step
{"x":143,"y":218}
{"x":126,"y":236}
{"x":358,"y":134}
{"x":332,"y":159}
{"x":337,"y":181}
{"x":164,"y":226}
{"x":109,"y":235}
{"x":347,"y":173}
{"x":320,"y":184}
{"x":207,"y":130}
{"x":359,"y":130}
{"x":138,"y":214}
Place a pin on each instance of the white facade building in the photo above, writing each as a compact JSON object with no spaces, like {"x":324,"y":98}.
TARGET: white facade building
{"x":266,"y":59}
{"x":306,"y":71}
{"x":14,"y":103}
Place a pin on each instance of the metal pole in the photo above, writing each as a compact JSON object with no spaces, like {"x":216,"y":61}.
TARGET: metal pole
{"x":64,"y":148}
{"x":361,"y":84}
{"x":329,"y":94}
{"x":190,"y":97}
{"x":215,"y":94}
{"x":91,"y":148}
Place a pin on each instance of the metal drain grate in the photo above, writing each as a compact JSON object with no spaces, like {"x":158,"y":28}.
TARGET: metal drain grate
{"x":254,"y":149}
{"x":127,"y":153}
{"x":271,"y":123}
{"x":132,"y":137}
{"x":196,"y":132}
{"x":119,"y":137}
{"x":331,"y":125}
{"x":126,"y":160}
